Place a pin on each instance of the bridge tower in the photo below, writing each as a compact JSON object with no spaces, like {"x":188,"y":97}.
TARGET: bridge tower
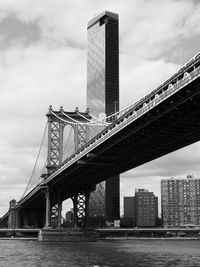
{"x":57,"y":120}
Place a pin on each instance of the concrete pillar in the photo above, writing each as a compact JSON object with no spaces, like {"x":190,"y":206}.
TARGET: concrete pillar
{"x":18,"y":219}
{"x":47,"y":214}
{"x":13,"y":215}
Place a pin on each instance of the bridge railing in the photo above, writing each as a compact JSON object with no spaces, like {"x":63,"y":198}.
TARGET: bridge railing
{"x":187,"y":68}
{"x":132,"y":114}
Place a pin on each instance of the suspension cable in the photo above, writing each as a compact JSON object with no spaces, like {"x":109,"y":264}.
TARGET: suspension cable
{"x":80,"y":123}
{"x":42,"y":172}
{"x":63,"y":119}
{"x":83,"y":123}
{"x":84,"y":117}
{"x":35,"y":161}
{"x":69,"y":117}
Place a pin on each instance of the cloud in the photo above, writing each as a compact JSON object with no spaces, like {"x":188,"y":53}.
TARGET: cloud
{"x":43,"y":61}
{"x":138,"y":80}
{"x":180,"y":163}
{"x":12,"y":30}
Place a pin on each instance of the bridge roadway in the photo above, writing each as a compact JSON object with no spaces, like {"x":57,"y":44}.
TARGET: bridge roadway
{"x":165,"y":120}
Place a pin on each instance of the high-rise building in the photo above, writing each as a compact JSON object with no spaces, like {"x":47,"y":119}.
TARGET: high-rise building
{"x":180,"y":201}
{"x":142,"y":208}
{"x":103,"y":100}
{"x":146,"y":208}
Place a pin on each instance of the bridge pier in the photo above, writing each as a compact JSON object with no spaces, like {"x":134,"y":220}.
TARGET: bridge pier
{"x":13,"y":215}
{"x":24,"y":217}
{"x":47,"y":210}
{"x":52,"y":232}
{"x":53,"y":210}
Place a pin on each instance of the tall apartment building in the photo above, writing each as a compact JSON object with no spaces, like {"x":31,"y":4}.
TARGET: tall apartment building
{"x":143,"y":208}
{"x":180,"y":200}
{"x":103,"y":100}
{"x":146,"y":208}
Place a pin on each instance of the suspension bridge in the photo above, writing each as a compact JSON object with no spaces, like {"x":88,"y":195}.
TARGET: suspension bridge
{"x":163,"y":121}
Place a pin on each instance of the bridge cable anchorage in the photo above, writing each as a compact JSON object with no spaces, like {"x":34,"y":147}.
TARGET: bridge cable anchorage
{"x":44,"y":133}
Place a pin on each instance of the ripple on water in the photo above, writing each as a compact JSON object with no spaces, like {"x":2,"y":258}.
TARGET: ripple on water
{"x":137,"y":253}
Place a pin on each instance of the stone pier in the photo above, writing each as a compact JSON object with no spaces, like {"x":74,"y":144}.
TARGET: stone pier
{"x":69,"y":235}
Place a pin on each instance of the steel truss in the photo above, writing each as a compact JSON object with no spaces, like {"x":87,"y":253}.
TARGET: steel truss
{"x":80,"y":201}
{"x":55,"y":134}
{"x":56,"y":125}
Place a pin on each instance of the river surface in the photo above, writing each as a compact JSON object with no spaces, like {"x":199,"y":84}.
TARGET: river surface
{"x":19,"y":253}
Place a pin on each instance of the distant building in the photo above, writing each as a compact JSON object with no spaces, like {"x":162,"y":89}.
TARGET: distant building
{"x":142,"y":208}
{"x":146,"y":208}
{"x":103,"y":100}
{"x":180,"y":201}
{"x":128,"y":207}
{"x":69,"y":216}
{"x":129,"y":215}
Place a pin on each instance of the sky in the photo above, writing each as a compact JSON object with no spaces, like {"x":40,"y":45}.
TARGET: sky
{"x":43,"y":61}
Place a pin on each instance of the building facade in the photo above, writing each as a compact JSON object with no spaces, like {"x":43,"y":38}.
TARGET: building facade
{"x":103,"y":100}
{"x":129,"y":214}
{"x":142,"y":208}
{"x":146,"y":208}
{"x":180,"y":201}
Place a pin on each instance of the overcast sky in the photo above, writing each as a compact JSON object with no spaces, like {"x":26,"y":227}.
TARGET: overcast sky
{"x":43,"y":59}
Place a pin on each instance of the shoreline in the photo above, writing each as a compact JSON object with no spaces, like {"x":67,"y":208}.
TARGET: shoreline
{"x":149,"y":238}
{"x":108,"y":238}
{"x":18,"y":238}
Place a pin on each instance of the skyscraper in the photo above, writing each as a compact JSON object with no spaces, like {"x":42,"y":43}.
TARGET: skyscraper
{"x":103,"y":100}
{"x":180,"y":200}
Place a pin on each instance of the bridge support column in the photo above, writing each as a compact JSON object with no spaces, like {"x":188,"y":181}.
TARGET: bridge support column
{"x":13,"y":217}
{"x":56,"y":216}
{"x":52,"y":232}
{"x":81,"y":203}
{"x":47,"y":212}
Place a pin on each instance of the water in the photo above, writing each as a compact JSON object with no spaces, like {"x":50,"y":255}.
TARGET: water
{"x":19,"y":253}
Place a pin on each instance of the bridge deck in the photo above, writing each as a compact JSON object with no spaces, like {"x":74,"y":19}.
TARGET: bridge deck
{"x":162,"y":122}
